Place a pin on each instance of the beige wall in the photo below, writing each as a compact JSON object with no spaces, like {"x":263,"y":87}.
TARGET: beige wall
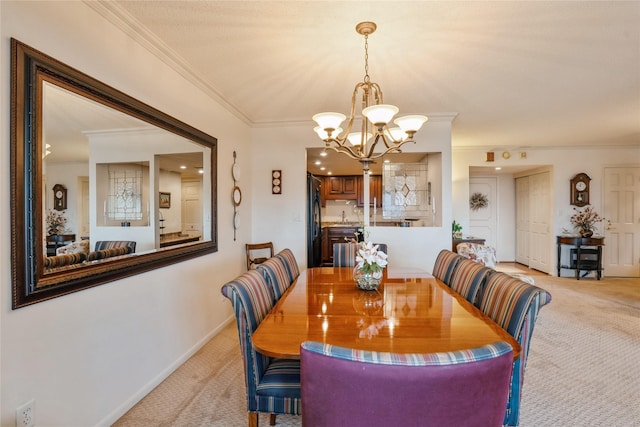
{"x":87,"y":357}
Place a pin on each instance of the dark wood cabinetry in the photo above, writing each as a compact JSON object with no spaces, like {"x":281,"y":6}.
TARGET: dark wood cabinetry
{"x":375,"y":190}
{"x":351,"y":187}
{"x":340,"y":187}
{"x":331,"y":235}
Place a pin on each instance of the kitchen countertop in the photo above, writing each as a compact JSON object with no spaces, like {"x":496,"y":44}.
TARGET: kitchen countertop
{"x":398,"y":223}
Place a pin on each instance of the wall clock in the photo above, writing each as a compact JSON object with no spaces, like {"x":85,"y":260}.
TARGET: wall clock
{"x":59,"y":197}
{"x":580,"y":189}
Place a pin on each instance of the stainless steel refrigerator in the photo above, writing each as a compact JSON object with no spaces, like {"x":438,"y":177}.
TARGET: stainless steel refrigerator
{"x":314,"y":221}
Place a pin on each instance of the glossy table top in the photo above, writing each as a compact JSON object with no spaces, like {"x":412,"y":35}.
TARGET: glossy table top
{"x":412,"y":312}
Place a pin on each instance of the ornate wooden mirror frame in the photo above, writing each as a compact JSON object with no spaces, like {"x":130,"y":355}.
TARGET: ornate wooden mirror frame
{"x":30,"y":282}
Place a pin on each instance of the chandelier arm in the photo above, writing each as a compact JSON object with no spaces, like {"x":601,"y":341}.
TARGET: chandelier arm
{"x":344,"y":150}
{"x":384,"y":138}
{"x":389,"y":150}
{"x":377,"y":91}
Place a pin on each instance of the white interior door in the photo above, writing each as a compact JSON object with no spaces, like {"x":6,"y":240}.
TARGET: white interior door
{"x":622,"y":208}
{"x":191,"y":207}
{"x":522,"y":220}
{"x":483,"y":221}
{"x":83,"y":207}
{"x":540,"y":221}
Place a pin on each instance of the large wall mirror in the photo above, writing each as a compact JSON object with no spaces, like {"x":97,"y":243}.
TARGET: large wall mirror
{"x":102,"y":185}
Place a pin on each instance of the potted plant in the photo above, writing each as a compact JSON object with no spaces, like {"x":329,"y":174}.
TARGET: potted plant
{"x":456,"y":230}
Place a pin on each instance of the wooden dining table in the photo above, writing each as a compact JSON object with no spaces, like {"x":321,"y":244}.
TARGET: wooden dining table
{"x":411,"y":312}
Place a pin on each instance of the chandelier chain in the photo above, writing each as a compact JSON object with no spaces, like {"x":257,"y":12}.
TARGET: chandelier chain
{"x":366,"y":58}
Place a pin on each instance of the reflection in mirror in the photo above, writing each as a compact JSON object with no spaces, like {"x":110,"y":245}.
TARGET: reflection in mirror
{"x":103,"y":185}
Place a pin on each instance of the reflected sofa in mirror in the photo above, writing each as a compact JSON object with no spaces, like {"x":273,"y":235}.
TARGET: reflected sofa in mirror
{"x":91,"y":162}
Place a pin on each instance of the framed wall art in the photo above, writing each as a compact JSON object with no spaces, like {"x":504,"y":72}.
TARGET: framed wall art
{"x":165,"y":200}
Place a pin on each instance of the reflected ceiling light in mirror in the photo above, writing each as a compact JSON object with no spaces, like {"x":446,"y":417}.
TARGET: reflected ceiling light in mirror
{"x":375,"y":118}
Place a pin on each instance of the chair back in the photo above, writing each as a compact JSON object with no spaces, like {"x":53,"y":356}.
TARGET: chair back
{"x":445,"y":264}
{"x":514,"y":305}
{"x":277,"y":276}
{"x":483,"y":254}
{"x":258,"y":253}
{"x":251,"y":300}
{"x":467,"y":278}
{"x":342,"y":386}
{"x":344,"y":254}
{"x":110,"y":244}
{"x":290,"y":263}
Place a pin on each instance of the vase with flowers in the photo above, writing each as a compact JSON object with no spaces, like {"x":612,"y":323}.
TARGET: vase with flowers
{"x":370,"y":261}
{"x":56,"y":222}
{"x":584,"y":221}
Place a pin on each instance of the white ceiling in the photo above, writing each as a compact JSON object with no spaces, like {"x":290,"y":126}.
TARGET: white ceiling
{"x":519,"y":74}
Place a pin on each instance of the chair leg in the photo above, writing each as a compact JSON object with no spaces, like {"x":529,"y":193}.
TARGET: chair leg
{"x":253,"y":419}
{"x":272,"y":419}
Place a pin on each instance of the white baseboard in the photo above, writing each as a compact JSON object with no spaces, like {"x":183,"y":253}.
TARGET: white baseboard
{"x":118,"y":412}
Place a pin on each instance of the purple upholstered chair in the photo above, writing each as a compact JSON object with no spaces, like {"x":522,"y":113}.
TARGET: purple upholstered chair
{"x":273,"y":385}
{"x":346,"y":387}
{"x":514,"y":305}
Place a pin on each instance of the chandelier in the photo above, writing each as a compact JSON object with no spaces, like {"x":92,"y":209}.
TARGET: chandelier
{"x":375,"y":118}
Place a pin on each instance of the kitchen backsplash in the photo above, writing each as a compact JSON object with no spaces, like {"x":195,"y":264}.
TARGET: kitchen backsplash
{"x":333,"y":212}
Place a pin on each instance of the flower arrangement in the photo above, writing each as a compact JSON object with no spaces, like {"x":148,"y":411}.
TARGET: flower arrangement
{"x":584,"y":221}
{"x":370,"y":260}
{"x":56,"y":222}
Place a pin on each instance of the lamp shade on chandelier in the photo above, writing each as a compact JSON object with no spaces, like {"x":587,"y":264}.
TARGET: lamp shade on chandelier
{"x":375,"y":119}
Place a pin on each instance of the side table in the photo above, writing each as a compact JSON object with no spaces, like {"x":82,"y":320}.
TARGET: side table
{"x":585,"y":255}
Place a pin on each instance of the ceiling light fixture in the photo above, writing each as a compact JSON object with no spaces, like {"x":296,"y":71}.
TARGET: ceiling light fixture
{"x":374,"y":116}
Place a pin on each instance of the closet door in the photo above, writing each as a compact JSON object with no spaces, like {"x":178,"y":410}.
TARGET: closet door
{"x":522,"y":220}
{"x":533,"y":221}
{"x":540,"y":222}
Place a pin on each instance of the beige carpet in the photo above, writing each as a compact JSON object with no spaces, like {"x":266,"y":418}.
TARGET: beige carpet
{"x":582,"y":369}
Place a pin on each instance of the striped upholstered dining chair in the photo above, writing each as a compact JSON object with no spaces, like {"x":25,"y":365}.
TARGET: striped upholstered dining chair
{"x":273,"y":385}
{"x":290,"y":263}
{"x":467,"y":278}
{"x":445,"y":264}
{"x":344,"y":254}
{"x":514,"y":305}
{"x":346,"y":387}
{"x":277,"y":276}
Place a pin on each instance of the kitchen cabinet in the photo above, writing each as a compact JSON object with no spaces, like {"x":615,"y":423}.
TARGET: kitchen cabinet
{"x":375,"y":190}
{"x":331,"y":235}
{"x":340,"y":187}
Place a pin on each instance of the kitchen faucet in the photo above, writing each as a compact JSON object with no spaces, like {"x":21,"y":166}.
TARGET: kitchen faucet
{"x":343,"y":217}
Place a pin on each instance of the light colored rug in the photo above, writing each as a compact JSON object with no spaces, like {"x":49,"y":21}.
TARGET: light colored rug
{"x":582,"y":369}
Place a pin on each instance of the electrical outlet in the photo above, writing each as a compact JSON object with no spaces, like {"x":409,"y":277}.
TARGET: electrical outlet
{"x":26,"y":414}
